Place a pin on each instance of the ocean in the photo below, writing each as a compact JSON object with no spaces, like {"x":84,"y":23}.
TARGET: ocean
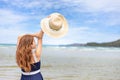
{"x":66,"y":63}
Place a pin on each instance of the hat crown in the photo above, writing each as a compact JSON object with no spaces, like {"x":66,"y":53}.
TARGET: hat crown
{"x":55,"y":22}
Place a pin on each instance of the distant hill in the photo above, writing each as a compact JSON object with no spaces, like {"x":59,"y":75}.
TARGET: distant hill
{"x":107,"y":44}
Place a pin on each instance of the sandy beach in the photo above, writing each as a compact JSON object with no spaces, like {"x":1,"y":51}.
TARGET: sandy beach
{"x":67,"y":63}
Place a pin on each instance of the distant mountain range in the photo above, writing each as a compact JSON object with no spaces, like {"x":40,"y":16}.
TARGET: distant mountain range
{"x":105,"y":44}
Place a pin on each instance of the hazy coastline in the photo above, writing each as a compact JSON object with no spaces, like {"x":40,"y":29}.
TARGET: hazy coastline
{"x":115,"y":43}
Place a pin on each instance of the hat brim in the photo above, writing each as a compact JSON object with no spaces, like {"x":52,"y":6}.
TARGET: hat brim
{"x":52,"y":33}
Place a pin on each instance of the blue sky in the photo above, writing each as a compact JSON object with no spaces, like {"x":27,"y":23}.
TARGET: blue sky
{"x":89,"y":20}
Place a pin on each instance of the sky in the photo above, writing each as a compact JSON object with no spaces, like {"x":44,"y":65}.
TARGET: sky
{"x":89,"y":20}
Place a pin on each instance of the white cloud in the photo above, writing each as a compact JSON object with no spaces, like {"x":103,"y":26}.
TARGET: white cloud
{"x":86,"y":34}
{"x":11,"y":26}
{"x":78,"y":5}
{"x":91,"y":21}
{"x":94,"y":5}
{"x":12,"y":23}
{"x":33,"y":4}
{"x":10,"y":18}
{"x":113,"y":20}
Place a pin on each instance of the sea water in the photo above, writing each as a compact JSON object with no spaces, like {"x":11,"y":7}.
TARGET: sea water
{"x":66,"y":63}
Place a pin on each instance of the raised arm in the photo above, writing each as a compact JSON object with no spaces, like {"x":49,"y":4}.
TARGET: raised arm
{"x":39,"y":36}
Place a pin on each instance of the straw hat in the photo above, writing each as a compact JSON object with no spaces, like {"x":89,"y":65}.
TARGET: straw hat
{"x":54,"y":25}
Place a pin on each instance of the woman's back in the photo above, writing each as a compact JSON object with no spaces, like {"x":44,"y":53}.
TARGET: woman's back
{"x":27,"y":60}
{"x":35,"y":73}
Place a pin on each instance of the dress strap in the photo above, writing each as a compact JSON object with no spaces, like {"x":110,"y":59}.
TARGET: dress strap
{"x":34,"y":56}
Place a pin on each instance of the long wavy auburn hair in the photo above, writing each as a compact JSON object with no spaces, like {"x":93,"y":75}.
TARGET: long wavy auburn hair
{"x":24,"y":52}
